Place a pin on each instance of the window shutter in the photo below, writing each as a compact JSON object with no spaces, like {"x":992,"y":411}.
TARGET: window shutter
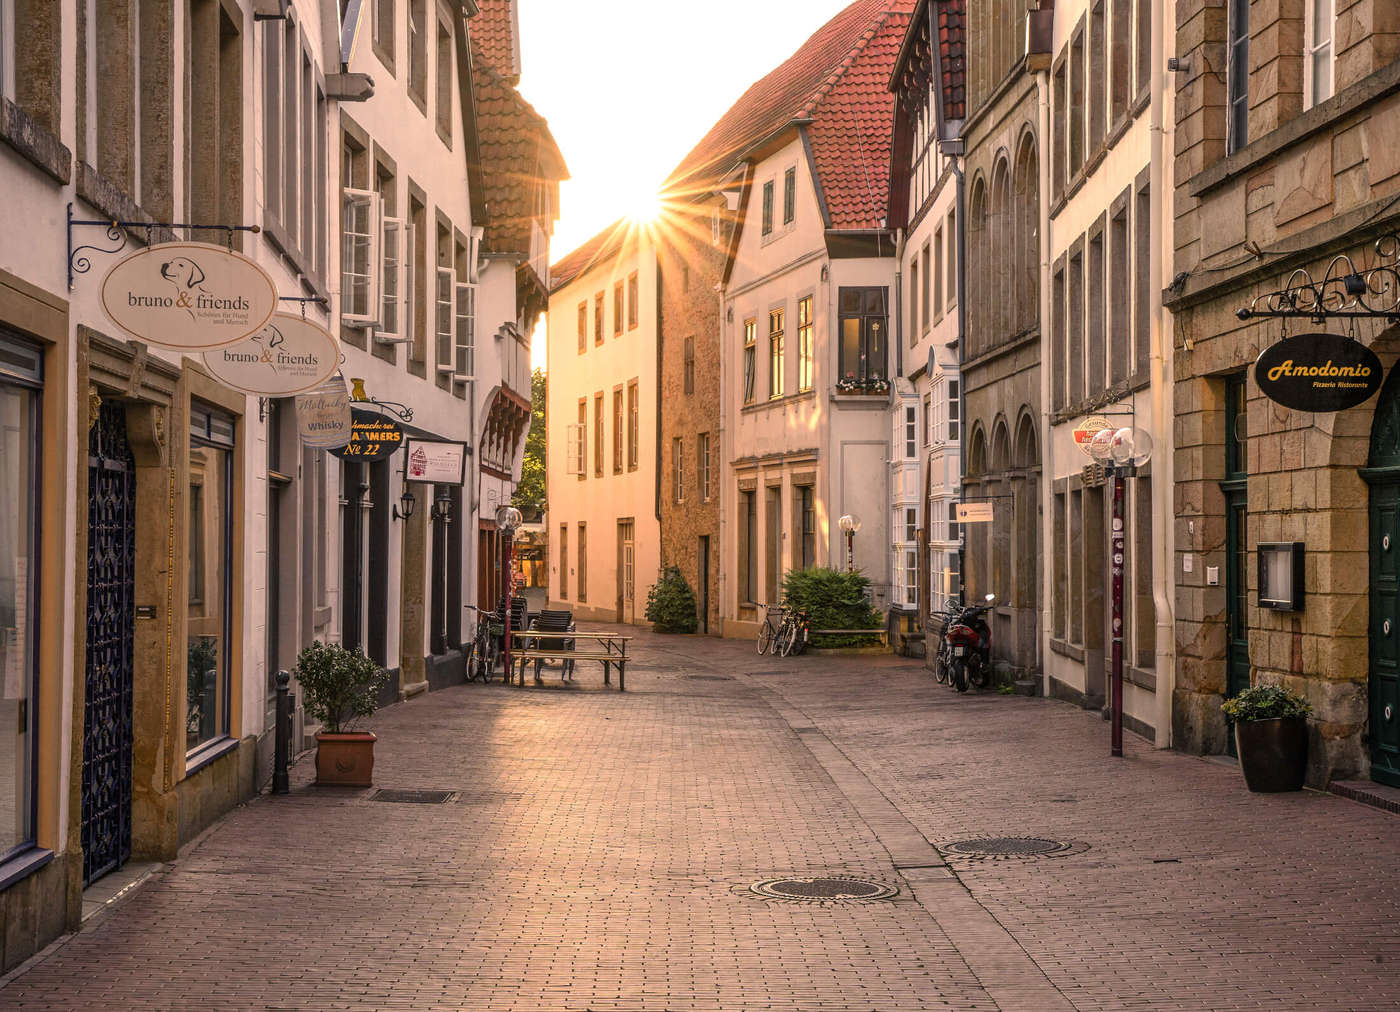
{"x":444,"y":320}
{"x":391,"y":328}
{"x":466,"y":334}
{"x":360,"y":274}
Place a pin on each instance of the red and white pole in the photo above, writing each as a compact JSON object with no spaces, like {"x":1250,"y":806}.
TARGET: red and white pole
{"x":1116,"y":550}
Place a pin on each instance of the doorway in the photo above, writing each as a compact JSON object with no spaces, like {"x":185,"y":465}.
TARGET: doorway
{"x":626,"y":573}
{"x":702,"y":570}
{"x":108,"y":733}
{"x":1383,"y":688}
{"x":1235,"y":487}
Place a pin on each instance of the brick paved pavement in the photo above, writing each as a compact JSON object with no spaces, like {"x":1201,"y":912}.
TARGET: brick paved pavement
{"x":599,"y":852}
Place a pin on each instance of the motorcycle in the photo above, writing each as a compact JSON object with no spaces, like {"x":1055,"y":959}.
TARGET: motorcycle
{"x":965,"y":649}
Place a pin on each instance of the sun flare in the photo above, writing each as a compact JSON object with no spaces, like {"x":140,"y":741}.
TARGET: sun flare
{"x":645,"y":209}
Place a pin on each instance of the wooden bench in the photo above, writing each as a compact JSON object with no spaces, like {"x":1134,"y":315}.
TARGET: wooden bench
{"x":608,"y":648}
{"x":881,"y":633}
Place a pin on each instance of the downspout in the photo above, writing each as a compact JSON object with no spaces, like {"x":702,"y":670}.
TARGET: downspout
{"x":962,"y":359}
{"x":1163,"y":509}
{"x":1047,"y":442}
{"x":898,"y":303}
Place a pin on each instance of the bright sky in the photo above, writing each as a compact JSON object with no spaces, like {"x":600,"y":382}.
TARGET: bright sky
{"x":630,"y":86}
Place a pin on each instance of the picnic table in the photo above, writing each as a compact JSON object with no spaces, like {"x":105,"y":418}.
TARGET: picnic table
{"x":608,"y":648}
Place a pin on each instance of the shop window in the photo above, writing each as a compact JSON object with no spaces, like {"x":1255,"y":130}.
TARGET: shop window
{"x":210,"y":561}
{"x":20,"y":379}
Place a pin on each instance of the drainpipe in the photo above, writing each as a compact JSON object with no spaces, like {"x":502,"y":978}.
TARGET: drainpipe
{"x":1047,"y":443}
{"x":956,"y":166}
{"x":1163,"y":508}
{"x":898,"y":303}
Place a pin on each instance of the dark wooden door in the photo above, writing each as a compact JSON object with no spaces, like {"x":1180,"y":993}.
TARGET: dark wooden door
{"x":1385,"y":632}
{"x":1236,"y":596}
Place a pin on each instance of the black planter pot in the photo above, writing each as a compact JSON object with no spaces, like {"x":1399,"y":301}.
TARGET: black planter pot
{"x":1273,"y":753}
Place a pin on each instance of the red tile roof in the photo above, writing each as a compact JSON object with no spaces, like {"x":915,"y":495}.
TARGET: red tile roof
{"x":601,"y":247}
{"x":838,"y":80}
{"x":494,"y":30}
{"x":952,"y":55}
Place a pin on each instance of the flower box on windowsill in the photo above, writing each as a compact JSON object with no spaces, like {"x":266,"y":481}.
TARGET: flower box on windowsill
{"x":852,"y":387}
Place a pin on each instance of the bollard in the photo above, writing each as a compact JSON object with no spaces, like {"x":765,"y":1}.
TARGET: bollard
{"x":282,"y":741}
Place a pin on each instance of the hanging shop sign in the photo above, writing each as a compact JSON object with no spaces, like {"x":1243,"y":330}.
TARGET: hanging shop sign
{"x":1318,"y":372}
{"x":289,"y":356}
{"x":192,"y":296}
{"x":436,"y":461}
{"x":973,"y":512}
{"x":1087,"y":429}
{"x":323,"y":415}
{"x":373,"y":436}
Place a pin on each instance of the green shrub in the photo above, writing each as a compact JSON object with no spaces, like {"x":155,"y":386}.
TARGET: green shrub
{"x":833,"y":599}
{"x":671,"y":604}
{"x":338,"y":686}
{"x":1265,"y":702}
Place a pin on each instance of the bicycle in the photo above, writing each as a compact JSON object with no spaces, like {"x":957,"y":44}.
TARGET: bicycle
{"x":485,"y":647}
{"x":792,"y":636}
{"x":942,"y":658}
{"x":768,"y":631}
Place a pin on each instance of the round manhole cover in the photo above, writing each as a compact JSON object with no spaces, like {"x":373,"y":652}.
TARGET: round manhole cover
{"x":823,"y":889}
{"x":1013,"y":846}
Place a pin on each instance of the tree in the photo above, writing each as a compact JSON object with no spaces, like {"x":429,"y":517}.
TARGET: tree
{"x":530,"y":493}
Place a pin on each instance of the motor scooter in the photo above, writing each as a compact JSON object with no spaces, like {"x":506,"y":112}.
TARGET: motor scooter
{"x":965,"y":650}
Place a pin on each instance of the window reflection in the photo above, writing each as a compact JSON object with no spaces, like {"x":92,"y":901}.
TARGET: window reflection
{"x":210,"y":567}
{"x":18,"y":437}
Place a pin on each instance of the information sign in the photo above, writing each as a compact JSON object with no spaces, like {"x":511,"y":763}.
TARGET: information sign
{"x":436,"y":461}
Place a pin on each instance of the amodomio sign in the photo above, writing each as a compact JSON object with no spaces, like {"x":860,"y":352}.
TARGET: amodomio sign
{"x":191,"y":296}
{"x":288,"y":356}
{"x":1318,"y":372}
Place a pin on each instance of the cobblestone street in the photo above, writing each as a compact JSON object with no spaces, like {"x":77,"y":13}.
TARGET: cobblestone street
{"x":599,"y":850}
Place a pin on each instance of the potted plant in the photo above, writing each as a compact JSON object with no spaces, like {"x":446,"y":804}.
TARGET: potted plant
{"x":339,"y":687}
{"x":1271,"y":737}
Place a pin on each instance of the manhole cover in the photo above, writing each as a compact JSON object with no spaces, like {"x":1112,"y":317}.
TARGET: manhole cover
{"x":407,"y":797}
{"x":1013,"y":846}
{"x":823,"y":889}
{"x":709,"y":678}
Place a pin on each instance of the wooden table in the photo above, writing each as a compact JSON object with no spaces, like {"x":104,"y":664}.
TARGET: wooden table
{"x":608,"y":648}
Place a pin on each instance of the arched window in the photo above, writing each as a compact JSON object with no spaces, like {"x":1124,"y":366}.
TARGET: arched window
{"x":1001,"y":265}
{"x":978,"y":291}
{"x":1027,"y":242}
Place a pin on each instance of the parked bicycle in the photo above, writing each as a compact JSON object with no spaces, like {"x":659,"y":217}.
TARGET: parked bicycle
{"x":486,"y":645}
{"x":773,"y":615}
{"x":792,"y":635}
{"x":964,"y":648}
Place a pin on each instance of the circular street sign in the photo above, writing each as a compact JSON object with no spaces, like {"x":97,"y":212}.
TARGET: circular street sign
{"x":373,"y":436}
{"x":191,"y":296}
{"x":1087,"y":429}
{"x":289,"y":356}
{"x":1318,"y":372}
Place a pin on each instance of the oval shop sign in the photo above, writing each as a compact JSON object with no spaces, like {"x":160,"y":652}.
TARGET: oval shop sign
{"x":1318,"y":372}
{"x":373,"y":436}
{"x":289,"y":356}
{"x":191,"y":296}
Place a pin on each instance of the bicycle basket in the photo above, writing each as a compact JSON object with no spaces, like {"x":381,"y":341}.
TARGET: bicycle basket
{"x":497,"y":628}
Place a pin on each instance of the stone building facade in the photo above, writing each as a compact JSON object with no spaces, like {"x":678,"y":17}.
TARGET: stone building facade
{"x":1000,"y":362}
{"x":1288,"y":156}
{"x":692,"y":238}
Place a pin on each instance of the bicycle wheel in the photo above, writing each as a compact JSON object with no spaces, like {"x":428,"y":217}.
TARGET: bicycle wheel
{"x":959,"y":675}
{"x":765,"y":637}
{"x":940,"y":667}
{"x":788,"y":634}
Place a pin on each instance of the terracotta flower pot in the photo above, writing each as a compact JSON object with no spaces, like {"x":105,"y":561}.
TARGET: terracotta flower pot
{"x":345,"y":759}
{"x":1273,"y":753}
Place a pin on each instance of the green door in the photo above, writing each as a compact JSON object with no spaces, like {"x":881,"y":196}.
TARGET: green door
{"x":1385,"y":631}
{"x":1236,"y":597}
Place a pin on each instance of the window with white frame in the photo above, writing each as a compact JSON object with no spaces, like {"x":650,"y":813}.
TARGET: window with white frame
{"x":911,"y":524}
{"x":1317,"y":68}
{"x":702,"y":462}
{"x":928,"y":420}
{"x":953,"y":531}
{"x":359,"y":257}
{"x":911,"y":576}
{"x":953,"y":412}
{"x":395,"y":305}
{"x":465,"y":348}
{"x":443,"y":318}
{"x":678,"y":470}
{"x":911,"y":430}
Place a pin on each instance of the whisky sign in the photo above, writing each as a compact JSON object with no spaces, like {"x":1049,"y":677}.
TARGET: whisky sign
{"x":373,"y":436}
{"x":1318,"y":372}
{"x":191,"y":296}
{"x":323,"y":415}
{"x":289,"y":356}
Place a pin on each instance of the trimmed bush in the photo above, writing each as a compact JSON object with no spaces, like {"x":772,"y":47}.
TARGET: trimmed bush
{"x":671,"y":604}
{"x":833,"y":599}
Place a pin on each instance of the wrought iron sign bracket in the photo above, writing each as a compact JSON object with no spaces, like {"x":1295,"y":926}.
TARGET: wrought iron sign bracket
{"x":358,"y":396}
{"x":80,"y":261}
{"x":1344,"y":292}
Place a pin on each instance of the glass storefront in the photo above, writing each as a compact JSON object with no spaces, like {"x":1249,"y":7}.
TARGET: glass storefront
{"x":20,"y":376}
{"x":210,"y":531}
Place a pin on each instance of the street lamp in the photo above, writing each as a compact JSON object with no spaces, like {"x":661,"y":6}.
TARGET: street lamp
{"x":1122,"y":451}
{"x":508,"y":522}
{"x":850,"y":523}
